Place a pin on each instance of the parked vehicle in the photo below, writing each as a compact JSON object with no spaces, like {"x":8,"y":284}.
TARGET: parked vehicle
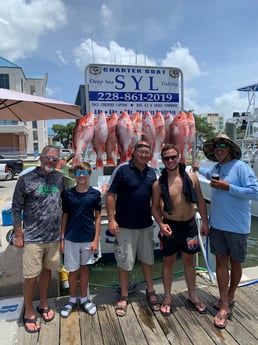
{"x":3,"y":171}
{"x":14,"y":166}
{"x":66,"y":153}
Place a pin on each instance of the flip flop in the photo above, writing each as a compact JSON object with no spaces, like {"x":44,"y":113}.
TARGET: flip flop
{"x":27,"y":329}
{"x":198,"y":306}
{"x":165,"y":306}
{"x":42,"y":311}
{"x":221,"y":317}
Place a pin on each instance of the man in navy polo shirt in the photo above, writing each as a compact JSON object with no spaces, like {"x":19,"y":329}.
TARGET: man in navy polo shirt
{"x":128,"y":206}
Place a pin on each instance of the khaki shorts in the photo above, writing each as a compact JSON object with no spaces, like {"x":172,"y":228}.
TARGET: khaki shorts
{"x":132,"y":243}
{"x":37,"y":256}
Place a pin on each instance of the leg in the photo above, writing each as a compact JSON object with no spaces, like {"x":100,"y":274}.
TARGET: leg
{"x":29,"y":287}
{"x":148,"y":275}
{"x":73,"y":280}
{"x":123,"y":280}
{"x":235,"y":277}
{"x":220,"y":319}
{"x":190,"y":277}
{"x":72,"y":303}
{"x":84,"y":280}
{"x":44,"y":280}
{"x":167,"y":276}
{"x":150,"y":292}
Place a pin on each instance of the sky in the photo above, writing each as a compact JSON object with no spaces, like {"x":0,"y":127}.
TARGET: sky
{"x":214,"y":43}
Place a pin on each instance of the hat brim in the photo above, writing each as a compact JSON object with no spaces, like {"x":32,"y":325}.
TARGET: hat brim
{"x":208,"y":148}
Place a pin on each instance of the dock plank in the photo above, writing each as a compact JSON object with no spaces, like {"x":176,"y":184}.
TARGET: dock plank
{"x":142,"y":326}
{"x":149,"y":324}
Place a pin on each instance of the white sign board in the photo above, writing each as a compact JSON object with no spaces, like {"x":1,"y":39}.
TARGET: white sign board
{"x":117,"y":88}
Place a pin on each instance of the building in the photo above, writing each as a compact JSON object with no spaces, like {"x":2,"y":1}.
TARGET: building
{"x":22,"y":138}
{"x":214,"y":119}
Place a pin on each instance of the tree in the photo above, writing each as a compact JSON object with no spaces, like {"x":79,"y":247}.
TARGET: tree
{"x":204,"y":129}
{"x":63,"y":133}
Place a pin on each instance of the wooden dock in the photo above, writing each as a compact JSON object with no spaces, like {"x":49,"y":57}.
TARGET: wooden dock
{"x":142,"y":326}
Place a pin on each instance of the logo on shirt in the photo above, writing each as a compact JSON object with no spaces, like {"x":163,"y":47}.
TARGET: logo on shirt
{"x":48,"y":189}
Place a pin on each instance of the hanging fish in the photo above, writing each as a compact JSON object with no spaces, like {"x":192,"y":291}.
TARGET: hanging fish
{"x":124,"y":134}
{"x":192,"y":130}
{"x":100,"y":138}
{"x":111,"y":143}
{"x":168,"y":120}
{"x":179,"y":134}
{"x":82,"y":136}
{"x":136,"y":119}
{"x":148,"y":129}
{"x":160,"y":133}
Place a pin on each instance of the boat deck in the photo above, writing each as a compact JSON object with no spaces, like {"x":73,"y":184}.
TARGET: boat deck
{"x":142,"y":326}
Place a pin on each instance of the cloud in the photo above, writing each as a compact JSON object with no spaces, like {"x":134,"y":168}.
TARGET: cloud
{"x":180,"y":57}
{"x":105,"y":15}
{"x":23,"y":23}
{"x":90,"y":52}
{"x":230,"y":102}
{"x":61,"y":58}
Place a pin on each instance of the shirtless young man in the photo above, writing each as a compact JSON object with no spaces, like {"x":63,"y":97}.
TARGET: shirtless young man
{"x":173,"y":199}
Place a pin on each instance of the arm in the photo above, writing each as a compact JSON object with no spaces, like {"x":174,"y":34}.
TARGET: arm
{"x":110,"y":206}
{"x":63,"y":228}
{"x":95,"y":243}
{"x":17,"y":207}
{"x":201,"y":205}
{"x":156,"y":209}
{"x":242,"y":183}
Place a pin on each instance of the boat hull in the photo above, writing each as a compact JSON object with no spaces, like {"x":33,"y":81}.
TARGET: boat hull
{"x":108,"y":240}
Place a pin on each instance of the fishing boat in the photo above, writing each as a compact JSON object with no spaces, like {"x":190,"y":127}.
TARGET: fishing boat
{"x":247,"y":121}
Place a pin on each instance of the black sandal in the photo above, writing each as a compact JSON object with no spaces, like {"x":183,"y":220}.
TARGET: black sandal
{"x":154,"y":305}
{"x":121,"y":308}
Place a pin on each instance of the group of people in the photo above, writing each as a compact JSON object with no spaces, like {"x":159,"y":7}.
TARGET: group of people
{"x":58,"y":220}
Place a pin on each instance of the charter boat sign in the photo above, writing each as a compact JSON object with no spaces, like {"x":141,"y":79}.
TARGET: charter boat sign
{"x":117,"y":88}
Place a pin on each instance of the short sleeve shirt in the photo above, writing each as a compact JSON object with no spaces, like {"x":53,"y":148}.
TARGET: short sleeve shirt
{"x":133,"y":189}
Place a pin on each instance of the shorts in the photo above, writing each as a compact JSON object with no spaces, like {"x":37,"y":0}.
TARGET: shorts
{"x":37,"y":256}
{"x":229,"y":243}
{"x":78,"y":254}
{"x":184,"y":238}
{"x":132,"y":243}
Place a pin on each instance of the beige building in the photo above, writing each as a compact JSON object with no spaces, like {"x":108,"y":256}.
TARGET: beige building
{"x":215,"y":119}
{"x":22,"y":138}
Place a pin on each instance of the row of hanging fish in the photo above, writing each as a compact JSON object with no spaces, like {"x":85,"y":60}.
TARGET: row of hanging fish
{"x":114,"y":136}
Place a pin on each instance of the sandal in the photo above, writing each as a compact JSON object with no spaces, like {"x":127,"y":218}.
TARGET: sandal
{"x":27,"y":329}
{"x":43,"y":311}
{"x":223,"y":318}
{"x":167,"y":307}
{"x":67,"y":309}
{"x":121,"y":309}
{"x":154,"y":305}
{"x":198,"y":306}
{"x":89,"y":307}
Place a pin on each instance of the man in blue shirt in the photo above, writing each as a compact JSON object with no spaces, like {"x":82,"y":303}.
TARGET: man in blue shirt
{"x":128,"y":206}
{"x":230,"y":216}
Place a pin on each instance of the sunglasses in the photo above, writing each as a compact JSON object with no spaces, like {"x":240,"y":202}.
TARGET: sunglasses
{"x":219,"y":145}
{"x":48,"y":158}
{"x":170,"y":157}
{"x":81,"y":172}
